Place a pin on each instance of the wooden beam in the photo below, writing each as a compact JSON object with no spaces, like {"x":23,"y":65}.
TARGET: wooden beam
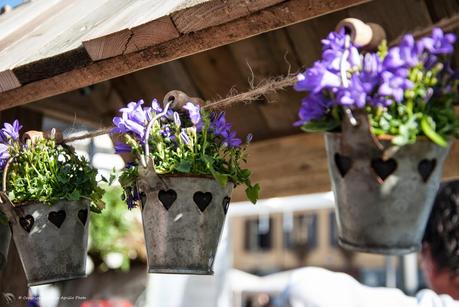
{"x":214,"y":13}
{"x":274,"y":17}
{"x":298,"y":165}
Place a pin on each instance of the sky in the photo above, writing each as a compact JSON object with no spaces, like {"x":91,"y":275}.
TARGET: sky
{"x":13,"y":3}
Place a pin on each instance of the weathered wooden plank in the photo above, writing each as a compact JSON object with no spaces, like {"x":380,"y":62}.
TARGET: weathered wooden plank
{"x":62,"y":17}
{"x":274,"y":17}
{"x":213,"y":13}
{"x":265,"y":56}
{"x":215,"y":72}
{"x":142,"y":24}
{"x":23,"y":19}
{"x":298,"y":165}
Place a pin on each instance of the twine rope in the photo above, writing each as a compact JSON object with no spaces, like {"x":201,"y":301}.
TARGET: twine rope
{"x":275,"y":84}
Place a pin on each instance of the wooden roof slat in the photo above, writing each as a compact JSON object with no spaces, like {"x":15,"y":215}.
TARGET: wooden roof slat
{"x":22,"y":16}
{"x":71,"y":39}
{"x":62,"y":17}
{"x":145,"y":21}
{"x":213,"y":13}
{"x":280,"y":15}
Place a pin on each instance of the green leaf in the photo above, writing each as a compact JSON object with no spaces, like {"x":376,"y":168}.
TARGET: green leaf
{"x":75,"y":195}
{"x":320,"y":126}
{"x":221,"y":178}
{"x":184,"y":166}
{"x":253,"y":192}
{"x":429,"y":131}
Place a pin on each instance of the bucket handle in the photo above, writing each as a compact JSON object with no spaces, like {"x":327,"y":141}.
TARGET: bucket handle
{"x":146,"y":157}
{"x":33,"y":136}
{"x":8,"y":206}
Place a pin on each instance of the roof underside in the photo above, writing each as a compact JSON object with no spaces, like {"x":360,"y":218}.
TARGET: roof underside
{"x":233,"y":55}
{"x":48,"y":47}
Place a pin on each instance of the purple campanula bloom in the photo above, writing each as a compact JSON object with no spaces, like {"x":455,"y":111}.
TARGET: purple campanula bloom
{"x":394,"y":86}
{"x":185,"y":137}
{"x":355,"y":95}
{"x":219,"y":124}
{"x":313,"y":107}
{"x":122,"y":148}
{"x":439,"y":43}
{"x":231,"y":140}
{"x":177,"y":121}
{"x":194,"y":113}
{"x":317,"y":78}
{"x":11,"y":131}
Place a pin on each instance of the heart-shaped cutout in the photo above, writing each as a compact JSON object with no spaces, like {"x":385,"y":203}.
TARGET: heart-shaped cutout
{"x":426,"y":167}
{"x":57,"y":218}
{"x":83,"y":216}
{"x":343,"y":164}
{"x":202,"y":200}
{"x":383,"y":168}
{"x":225,"y":203}
{"x":26,"y":222}
{"x":167,"y":198}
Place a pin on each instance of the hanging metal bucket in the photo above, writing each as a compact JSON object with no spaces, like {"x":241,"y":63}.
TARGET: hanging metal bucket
{"x":51,"y":241}
{"x":5,"y":238}
{"x":182,"y":219}
{"x":383,"y":194}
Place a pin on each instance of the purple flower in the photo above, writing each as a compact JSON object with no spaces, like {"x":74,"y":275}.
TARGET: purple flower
{"x":194,"y":113}
{"x":317,"y":78}
{"x":122,"y":148}
{"x":439,"y":43}
{"x":393,"y":85}
{"x":313,"y":107}
{"x":219,"y":124}
{"x":355,"y":95}
{"x":177,"y":121}
{"x":133,"y":119}
{"x":185,"y":137}
{"x":11,"y":132}
{"x":4,"y":153}
{"x":230,"y":139}
{"x":406,"y":55}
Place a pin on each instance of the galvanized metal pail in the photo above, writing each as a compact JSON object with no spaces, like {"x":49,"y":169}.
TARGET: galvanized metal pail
{"x":183,"y":218}
{"x":383,"y":198}
{"x":52,"y":241}
{"x":5,"y":238}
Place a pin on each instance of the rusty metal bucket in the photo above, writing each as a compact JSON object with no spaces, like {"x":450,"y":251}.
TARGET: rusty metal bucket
{"x":383,"y":194}
{"x":51,"y":241}
{"x":5,"y":238}
{"x":183,"y":218}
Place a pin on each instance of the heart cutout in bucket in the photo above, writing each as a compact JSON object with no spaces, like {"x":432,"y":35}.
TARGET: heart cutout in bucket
{"x":384,"y":168}
{"x":167,"y":198}
{"x":27,"y":222}
{"x":57,"y":218}
{"x":426,"y":167}
{"x":83,"y":216}
{"x":343,"y":164}
{"x":202,"y":200}
{"x":225,"y":203}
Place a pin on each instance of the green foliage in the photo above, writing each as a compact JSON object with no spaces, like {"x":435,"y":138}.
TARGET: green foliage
{"x":108,"y":230}
{"x":420,"y":114}
{"x":47,"y":172}
{"x":202,"y":155}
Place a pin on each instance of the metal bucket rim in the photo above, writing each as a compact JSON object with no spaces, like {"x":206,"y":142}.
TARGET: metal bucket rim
{"x":38,"y":203}
{"x":388,"y":138}
{"x":195,"y":176}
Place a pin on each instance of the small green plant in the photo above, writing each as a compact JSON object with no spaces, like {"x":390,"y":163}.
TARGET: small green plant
{"x":47,"y":172}
{"x":408,"y":90}
{"x":191,"y":140}
{"x":109,"y":229}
